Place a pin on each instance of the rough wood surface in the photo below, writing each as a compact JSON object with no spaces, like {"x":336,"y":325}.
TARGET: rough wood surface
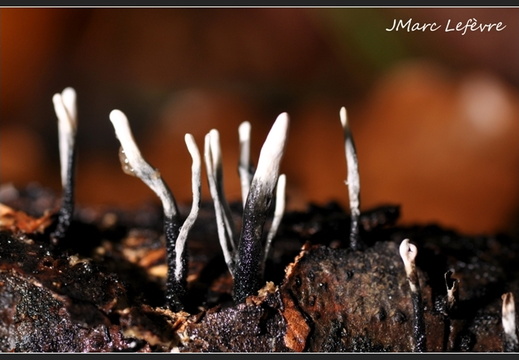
{"x":102,"y":289}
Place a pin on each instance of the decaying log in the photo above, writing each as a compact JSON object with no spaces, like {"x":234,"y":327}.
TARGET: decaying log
{"x":102,"y":288}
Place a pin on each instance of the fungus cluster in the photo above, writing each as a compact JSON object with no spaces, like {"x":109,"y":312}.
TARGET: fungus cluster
{"x":263,"y":198}
{"x":245,"y":256}
{"x":176,"y":233}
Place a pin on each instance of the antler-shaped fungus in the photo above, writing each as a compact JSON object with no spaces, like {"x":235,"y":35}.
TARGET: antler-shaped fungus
{"x":176,"y":233}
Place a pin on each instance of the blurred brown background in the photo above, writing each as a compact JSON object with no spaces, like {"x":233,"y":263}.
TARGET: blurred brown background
{"x":435,"y":115}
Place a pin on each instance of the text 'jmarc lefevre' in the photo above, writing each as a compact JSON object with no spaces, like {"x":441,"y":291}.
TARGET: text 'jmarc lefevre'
{"x":462,"y":27}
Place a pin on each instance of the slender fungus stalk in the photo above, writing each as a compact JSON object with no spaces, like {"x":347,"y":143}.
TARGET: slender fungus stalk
{"x":510,"y":342}
{"x":408,"y":253}
{"x":244,"y":167}
{"x":196,"y":169}
{"x":134,"y":164}
{"x":224,"y":223}
{"x":65,"y":108}
{"x":278,"y":214}
{"x":353,"y":181}
{"x":246,"y":173}
{"x":250,"y":253}
{"x":218,"y":176}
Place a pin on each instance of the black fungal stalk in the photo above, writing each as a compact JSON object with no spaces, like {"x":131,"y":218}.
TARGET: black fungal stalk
{"x":246,"y":258}
{"x":175,"y":233}
{"x":250,"y":254}
{"x":408,"y":253}
{"x":353,"y":181}
{"x":65,"y":108}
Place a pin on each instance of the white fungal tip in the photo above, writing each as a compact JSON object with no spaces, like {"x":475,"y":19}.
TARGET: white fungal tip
{"x":65,"y":108}
{"x":68,"y":92}
{"x":408,"y":254}
{"x":191,"y":144}
{"x":281,"y":124}
{"x":244,"y":130}
{"x":214,"y":137}
{"x":68,"y":96}
{"x":125,"y":136}
{"x":272,"y":151}
{"x":117,"y":117}
{"x":214,"y":153}
{"x":214,"y":132}
{"x":508,"y":315}
{"x":344,"y":117}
